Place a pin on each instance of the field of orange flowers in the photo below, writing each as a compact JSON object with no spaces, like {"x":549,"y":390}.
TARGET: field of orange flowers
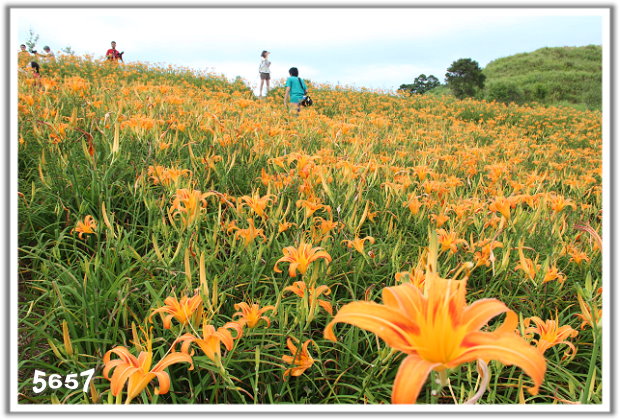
{"x":193,"y":244}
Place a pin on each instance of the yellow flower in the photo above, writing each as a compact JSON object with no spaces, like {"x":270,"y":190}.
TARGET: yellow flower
{"x":438,"y":330}
{"x":250,"y":316}
{"x":137,"y":373}
{"x":89,"y":225}
{"x":300,"y":358}
{"x":182,"y":311}
{"x":358,"y":243}
{"x":301,"y":257}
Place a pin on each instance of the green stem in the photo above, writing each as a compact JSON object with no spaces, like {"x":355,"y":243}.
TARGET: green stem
{"x":592,"y":369}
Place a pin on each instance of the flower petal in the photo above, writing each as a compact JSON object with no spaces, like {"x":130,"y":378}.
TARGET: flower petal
{"x":171,"y":359}
{"x":509,"y":349}
{"x":389,"y":324}
{"x":411,"y":375}
{"x":326,"y":305}
{"x":479,"y":313}
{"x":164,"y":382}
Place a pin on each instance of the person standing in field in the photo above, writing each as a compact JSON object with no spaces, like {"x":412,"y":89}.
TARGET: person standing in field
{"x":47,"y":56}
{"x":265,"y":72}
{"x":295,"y":90}
{"x":23,"y":57}
{"x":113,"y":55}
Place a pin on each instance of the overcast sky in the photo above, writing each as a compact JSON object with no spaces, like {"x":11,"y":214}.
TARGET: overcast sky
{"x":378,"y":48}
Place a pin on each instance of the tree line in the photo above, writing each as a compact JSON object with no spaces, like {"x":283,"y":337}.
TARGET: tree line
{"x":464,"y":78}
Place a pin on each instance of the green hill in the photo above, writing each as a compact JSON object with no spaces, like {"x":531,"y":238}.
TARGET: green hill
{"x":561,"y":75}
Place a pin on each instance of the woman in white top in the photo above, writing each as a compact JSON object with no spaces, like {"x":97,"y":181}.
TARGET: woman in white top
{"x":265,"y":73}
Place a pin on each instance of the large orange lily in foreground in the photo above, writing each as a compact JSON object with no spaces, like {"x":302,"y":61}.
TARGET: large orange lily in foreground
{"x":137,"y":372}
{"x":438,"y":330}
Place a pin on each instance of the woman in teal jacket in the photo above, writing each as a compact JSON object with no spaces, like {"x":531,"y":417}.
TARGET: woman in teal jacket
{"x":295,"y":89}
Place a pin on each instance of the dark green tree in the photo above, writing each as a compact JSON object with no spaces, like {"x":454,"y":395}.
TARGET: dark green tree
{"x":465,"y":78}
{"x":421,"y":84}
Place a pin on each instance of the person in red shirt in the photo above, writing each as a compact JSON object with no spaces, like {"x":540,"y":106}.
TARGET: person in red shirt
{"x":113,"y":55}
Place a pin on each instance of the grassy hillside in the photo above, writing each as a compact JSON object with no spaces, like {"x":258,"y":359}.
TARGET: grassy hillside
{"x":560,"y":75}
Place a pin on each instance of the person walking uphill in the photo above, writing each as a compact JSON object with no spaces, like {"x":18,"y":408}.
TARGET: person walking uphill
{"x":265,"y":72}
{"x":295,"y":89}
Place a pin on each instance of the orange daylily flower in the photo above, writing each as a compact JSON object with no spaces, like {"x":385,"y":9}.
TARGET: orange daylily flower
{"x":549,"y":334}
{"x":576,"y":255}
{"x":301,"y":257}
{"x":413,"y":204}
{"x":189,"y":205}
{"x":300,"y":358}
{"x":421,"y":172}
{"x":284,"y":226}
{"x":486,"y":256}
{"x":166,"y":176}
{"x":439,"y":219}
{"x":250,"y":316}
{"x":325,"y":226}
{"x":438,"y":330}
{"x":89,"y":226}
{"x":183,"y":311}
{"x":502,"y":205}
{"x":449,"y":240}
{"x":137,"y":372}
{"x":415,"y":276}
{"x":250,"y":233}
{"x":300,"y":288}
{"x":358,"y":243}
{"x":312,"y":207}
{"x":257,"y":203}
{"x":528,"y":266}
{"x":554,"y":274}
{"x":558,"y":203}
{"x":212,"y":339}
